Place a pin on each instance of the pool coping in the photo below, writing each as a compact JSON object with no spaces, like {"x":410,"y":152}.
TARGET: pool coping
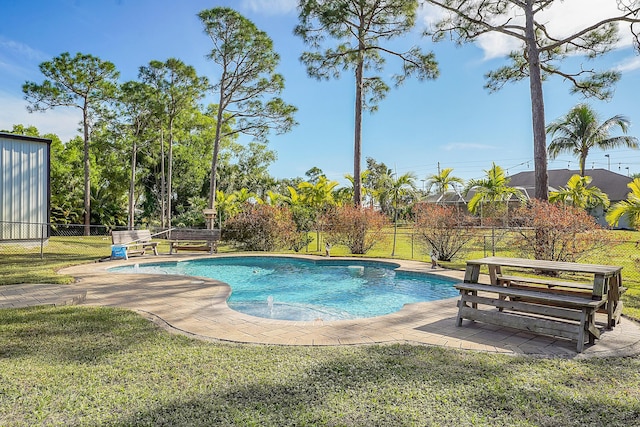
{"x":197,"y":307}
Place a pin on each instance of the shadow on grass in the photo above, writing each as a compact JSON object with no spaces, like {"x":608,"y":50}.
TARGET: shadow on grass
{"x":171,"y":380}
{"x":402,"y":385}
{"x":70,"y":334}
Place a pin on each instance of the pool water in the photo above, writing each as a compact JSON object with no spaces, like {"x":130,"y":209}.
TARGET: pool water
{"x":307,"y":290}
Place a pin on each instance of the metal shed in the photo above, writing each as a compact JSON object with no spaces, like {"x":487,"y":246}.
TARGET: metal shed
{"x":25,"y":193}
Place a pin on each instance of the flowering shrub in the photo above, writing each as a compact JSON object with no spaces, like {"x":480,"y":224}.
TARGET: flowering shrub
{"x":359,"y":229}
{"x":261,"y":228}
{"x":557,"y":232}
{"x":443,"y":228}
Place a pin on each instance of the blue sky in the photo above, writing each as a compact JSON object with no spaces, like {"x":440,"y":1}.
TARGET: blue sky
{"x":451,"y":121}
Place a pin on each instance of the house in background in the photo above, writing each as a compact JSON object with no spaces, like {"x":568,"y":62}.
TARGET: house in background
{"x":614,"y":185}
{"x":25,"y":194}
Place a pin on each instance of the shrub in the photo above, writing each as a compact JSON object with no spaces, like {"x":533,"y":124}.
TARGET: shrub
{"x":191,"y":216}
{"x":359,"y":229}
{"x":557,"y":233}
{"x":444,"y":228}
{"x":261,"y":228}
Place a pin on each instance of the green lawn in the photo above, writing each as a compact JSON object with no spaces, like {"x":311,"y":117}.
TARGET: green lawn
{"x":103,"y":366}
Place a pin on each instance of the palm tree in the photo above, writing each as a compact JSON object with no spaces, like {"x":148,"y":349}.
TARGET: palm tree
{"x":578,"y":194}
{"x":580,"y":131}
{"x":399,"y":187}
{"x":244,"y":195}
{"x":629,"y":208}
{"x":274,"y":199}
{"x":494,"y":188}
{"x":317,"y":197}
{"x":226,"y":206}
{"x":443,"y":180}
{"x":365,"y":191}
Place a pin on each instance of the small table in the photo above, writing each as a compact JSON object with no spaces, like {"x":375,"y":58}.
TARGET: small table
{"x":607,"y":279}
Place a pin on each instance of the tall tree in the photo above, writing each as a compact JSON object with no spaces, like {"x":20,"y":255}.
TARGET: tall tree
{"x":540,"y":54}
{"x":178,"y":88}
{"x":360,"y":27}
{"x":580,"y":131}
{"x":84,"y":82}
{"x":245,"y":83}
{"x":137,"y":112}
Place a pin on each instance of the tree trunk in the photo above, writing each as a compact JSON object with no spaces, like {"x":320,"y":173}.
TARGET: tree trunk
{"x":357,"y":143}
{"x":132,"y":186}
{"x":583,"y":163}
{"x":169,"y":172}
{"x":87,"y":174}
{"x":537,"y":107}
{"x":214,"y":160}
{"x":163,"y":218}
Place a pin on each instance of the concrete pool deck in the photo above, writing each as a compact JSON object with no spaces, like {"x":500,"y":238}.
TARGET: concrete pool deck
{"x":197,"y":307}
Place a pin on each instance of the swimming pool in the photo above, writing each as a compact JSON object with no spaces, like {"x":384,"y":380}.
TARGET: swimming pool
{"x":303,"y":289}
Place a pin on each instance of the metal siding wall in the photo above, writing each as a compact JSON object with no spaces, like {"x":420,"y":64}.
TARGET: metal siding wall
{"x":4,"y":171}
{"x":23,"y":190}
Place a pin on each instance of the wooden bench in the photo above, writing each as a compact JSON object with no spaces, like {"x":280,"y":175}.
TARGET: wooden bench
{"x":194,"y":240}
{"x":565,"y":288}
{"x":557,"y":315}
{"x":606,"y":280}
{"x":134,"y":241}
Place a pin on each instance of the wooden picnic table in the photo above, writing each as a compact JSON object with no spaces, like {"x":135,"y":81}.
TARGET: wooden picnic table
{"x":606,"y":282}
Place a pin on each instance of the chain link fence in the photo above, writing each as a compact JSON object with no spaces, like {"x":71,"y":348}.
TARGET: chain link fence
{"x":75,"y":242}
{"x":59,"y":241}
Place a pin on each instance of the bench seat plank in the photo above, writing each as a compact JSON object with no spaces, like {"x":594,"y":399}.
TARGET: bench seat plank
{"x":550,"y":283}
{"x":568,"y":300}
{"x":527,"y":307}
{"x":565,"y":316}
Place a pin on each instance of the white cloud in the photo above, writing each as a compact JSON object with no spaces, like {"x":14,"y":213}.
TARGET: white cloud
{"x":61,"y":121}
{"x":561,"y":19}
{"x":630,"y":64}
{"x":495,"y":45}
{"x":22,"y":50}
{"x":271,"y":7}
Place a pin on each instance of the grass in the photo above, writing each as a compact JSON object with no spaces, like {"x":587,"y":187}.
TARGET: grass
{"x":104,"y":366}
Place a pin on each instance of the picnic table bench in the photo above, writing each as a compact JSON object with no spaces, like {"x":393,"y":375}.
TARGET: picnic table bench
{"x":134,"y":241}
{"x":194,"y":240}
{"x":541,"y":305}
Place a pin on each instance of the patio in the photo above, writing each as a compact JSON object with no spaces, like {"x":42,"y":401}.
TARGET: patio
{"x":197,"y":307}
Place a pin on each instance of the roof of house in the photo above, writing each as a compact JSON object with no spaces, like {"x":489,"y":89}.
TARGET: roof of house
{"x":13,"y":136}
{"x":611,"y":183}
